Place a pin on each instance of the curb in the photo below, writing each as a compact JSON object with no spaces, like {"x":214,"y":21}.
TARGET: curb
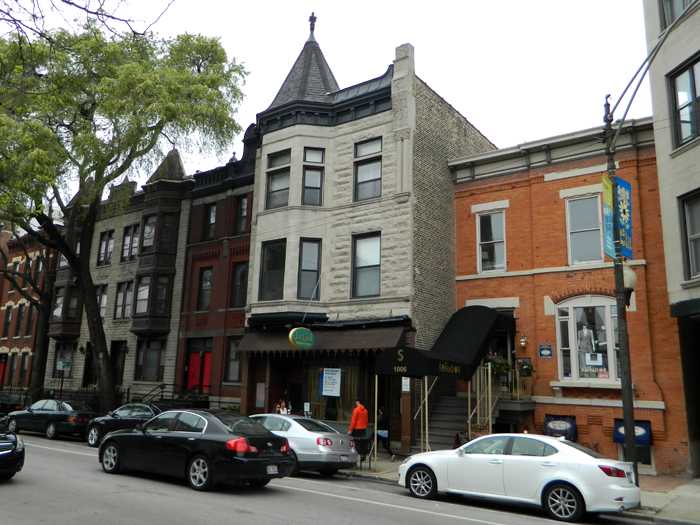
{"x":351,"y":474}
{"x":649,"y":518}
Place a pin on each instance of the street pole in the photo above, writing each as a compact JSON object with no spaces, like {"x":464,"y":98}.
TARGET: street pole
{"x":630,"y":449}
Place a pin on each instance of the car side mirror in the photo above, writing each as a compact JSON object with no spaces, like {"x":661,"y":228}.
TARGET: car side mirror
{"x":460,"y":452}
{"x":29,"y":409}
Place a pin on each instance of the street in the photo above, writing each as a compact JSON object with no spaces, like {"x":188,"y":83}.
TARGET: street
{"x":62,"y":483}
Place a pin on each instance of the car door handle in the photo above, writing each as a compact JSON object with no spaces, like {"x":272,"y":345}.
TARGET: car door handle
{"x":548,"y":464}
{"x":496,"y":461}
{"x":190,"y":439}
{"x":158,"y":437}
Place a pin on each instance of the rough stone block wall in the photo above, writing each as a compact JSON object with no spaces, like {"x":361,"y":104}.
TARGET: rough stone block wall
{"x":441,"y":134}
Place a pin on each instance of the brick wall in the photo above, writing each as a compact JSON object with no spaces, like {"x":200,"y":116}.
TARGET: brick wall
{"x":441,"y":133}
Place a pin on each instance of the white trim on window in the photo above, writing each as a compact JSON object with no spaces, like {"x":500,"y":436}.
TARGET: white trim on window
{"x":478,"y":243}
{"x":577,"y":172}
{"x":581,"y":191}
{"x":490,"y":206}
{"x":600,"y":229}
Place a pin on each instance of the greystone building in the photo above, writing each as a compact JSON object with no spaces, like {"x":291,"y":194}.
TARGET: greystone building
{"x":352,"y":233}
{"x":675,"y":88}
{"x":137,"y":270}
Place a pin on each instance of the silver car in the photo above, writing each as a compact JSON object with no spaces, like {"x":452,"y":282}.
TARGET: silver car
{"x":314,"y":445}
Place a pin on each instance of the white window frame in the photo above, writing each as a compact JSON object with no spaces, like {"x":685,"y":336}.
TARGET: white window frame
{"x":600,"y":226}
{"x":478,"y":242}
{"x":582,"y":301}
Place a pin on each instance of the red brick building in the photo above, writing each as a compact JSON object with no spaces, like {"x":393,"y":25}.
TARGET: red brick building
{"x":18,"y":317}
{"x":529,"y":240}
{"x":216,"y":281}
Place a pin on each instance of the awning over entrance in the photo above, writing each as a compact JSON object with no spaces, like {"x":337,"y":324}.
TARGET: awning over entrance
{"x":464,"y":340}
{"x":333,"y":340}
{"x":407,"y":362}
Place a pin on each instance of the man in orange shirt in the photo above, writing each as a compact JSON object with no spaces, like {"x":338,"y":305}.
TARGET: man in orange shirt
{"x":359,"y":420}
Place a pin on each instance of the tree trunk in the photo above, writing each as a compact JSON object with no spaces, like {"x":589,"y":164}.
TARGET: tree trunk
{"x":41,"y":340}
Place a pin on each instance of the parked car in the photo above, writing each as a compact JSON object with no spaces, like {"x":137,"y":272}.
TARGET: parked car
{"x":52,"y":417}
{"x":314,"y":445}
{"x":11,"y":455}
{"x":208,"y":447}
{"x":564,"y":478}
{"x":126,"y":416}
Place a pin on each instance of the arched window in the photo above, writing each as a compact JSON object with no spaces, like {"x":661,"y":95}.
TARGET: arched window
{"x":587,"y":339}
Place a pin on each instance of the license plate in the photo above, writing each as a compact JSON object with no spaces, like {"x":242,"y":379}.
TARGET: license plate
{"x":343,"y":458}
{"x":272,"y":469}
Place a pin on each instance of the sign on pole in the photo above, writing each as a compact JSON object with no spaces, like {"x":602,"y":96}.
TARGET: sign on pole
{"x":623,"y":208}
{"x":331,"y":382}
{"x":609,"y":242}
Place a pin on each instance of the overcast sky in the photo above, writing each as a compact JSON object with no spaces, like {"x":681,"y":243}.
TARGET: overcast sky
{"x":518,"y":70}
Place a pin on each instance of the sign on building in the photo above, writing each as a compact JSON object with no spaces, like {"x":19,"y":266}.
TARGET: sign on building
{"x":330,"y":386}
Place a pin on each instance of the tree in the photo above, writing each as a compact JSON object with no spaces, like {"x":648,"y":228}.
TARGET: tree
{"x":80,"y":110}
{"x":36,"y":286}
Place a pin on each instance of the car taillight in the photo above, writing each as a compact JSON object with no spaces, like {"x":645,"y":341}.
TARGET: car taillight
{"x":284,"y":449}
{"x":324,"y":442}
{"x":72,"y":419}
{"x":613,"y":472}
{"x":240,"y":446}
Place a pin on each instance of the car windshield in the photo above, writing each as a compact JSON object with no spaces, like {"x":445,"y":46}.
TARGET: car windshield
{"x":314,"y":426}
{"x":65,"y":405}
{"x":585,"y":450}
{"x":241,"y":425}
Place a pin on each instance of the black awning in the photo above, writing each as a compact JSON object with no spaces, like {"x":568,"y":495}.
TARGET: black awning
{"x":407,"y":362}
{"x":464,"y":340}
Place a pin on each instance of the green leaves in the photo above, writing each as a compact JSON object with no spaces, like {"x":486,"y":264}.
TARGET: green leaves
{"x":86,"y":107}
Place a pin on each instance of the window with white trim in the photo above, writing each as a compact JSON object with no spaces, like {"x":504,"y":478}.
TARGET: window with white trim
{"x":278,"y":165}
{"x":587,"y":342}
{"x":585,"y":233}
{"x":491,"y":241}
{"x":368,"y":169}
{"x":691,"y":212}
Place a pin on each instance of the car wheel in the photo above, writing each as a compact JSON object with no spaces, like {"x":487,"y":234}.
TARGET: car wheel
{"x":93,"y":436}
{"x":563,"y":502}
{"x":110,"y":458}
{"x":259,"y":483}
{"x":422,"y":483}
{"x":12,"y":426}
{"x":329,"y":472}
{"x":295,"y":465}
{"x":199,"y":474}
{"x":51,"y":431}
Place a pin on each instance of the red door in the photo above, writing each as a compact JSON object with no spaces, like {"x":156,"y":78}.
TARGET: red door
{"x":3,"y":364}
{"x":193,"y":371}
{"x":206,"y":373}
{"x":199,"y":371}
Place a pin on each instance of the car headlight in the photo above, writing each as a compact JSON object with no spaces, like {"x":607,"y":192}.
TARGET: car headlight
{"x":20,"y":444}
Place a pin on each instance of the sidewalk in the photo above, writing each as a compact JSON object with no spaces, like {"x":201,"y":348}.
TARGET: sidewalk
{"x":669,"y":500}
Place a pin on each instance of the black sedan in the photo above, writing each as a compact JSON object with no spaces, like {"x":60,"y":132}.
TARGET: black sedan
{"x":207,"y":447}
{"x":50,"y":416}
{"x":126,"y":416}
{"x":11,"y":455}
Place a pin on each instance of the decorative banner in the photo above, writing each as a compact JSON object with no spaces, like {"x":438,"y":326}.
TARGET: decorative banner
{"x":302,"y":338}
{"x":330,"y":386}
{"x":623,"y":208}
{"x":609,"y":240}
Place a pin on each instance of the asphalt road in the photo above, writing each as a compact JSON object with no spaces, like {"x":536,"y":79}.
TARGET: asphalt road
{"x":63,"y":483}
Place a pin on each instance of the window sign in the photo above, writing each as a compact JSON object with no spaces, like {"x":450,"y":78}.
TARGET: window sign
{"x":331,"y":382}
{"x":405,"y":384}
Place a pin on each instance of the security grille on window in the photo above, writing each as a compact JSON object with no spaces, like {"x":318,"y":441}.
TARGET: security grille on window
{"x":309,"y":269}
{"x":587,"y":336}
{"x":149,"y":233}
{"x":272,"y":270}
{"x":104,"y":255}
{"x":368,"y":169}
{"x":687,"y":103}
{"x":312,"y":194}
{"x":101,"y":292}
{"x":239,"y":294}
{"x":278,"y":179}
{"x":691,"y":208}
{"x":57,"y":311}
{"x":142,"y":292}
{"x":148,"y":360}
{"x":124,"y":301}
{"x":130,"y":242}
{"x":209,"y":221}
{"x":585,"y":236}
{"x":206,"y":276}
{"x":241,"y":214}
{"x":491,"y":231}
{"x":366,"y":268}
{"x":8,"y":320}
{"x":18,"y":321}
{"x":233,"y":363}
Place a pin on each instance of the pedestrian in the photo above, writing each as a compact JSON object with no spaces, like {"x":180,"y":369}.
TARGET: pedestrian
{"x":359,"y":420}
{"x":383,"y":430}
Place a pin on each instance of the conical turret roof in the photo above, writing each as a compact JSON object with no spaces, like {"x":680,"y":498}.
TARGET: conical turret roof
{"x":170,"y":169}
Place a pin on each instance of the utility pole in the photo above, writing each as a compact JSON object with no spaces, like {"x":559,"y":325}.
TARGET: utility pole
{"x":630,"y":449}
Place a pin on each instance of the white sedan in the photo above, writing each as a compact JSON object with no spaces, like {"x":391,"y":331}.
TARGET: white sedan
{"x":564,"y":478}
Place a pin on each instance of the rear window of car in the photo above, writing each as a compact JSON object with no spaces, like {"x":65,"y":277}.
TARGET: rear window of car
{"x":585,"y":450}
{"x":241,"y":425}
{"x":314,"y":426}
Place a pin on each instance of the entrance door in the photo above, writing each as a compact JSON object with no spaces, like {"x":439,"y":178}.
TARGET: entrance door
{"x":3,"y":365}
{"x":198,"y":375}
